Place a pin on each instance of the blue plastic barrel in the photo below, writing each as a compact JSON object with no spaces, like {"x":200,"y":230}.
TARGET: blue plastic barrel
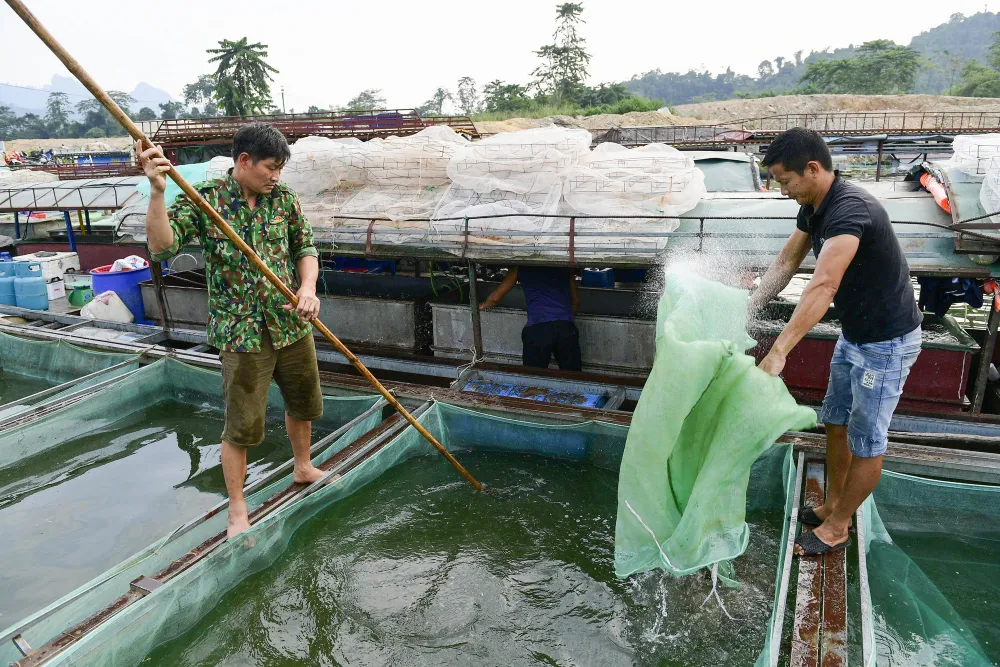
{"x":29,"y":287}
{"x":123,"y":283}
{"x":8,"y":272}
{"x":598,"y":278}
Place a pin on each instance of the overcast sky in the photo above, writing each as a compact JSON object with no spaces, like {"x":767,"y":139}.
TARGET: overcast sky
{"x":328,"y":51}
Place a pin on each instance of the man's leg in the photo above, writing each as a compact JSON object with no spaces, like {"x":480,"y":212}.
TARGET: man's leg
{"x":536,"y":345}
{"x":567,"y":348}
{"x":878,"y":373}
{"x":835,"y":414}
{"x":838,"y":462}
{"x":246,"y":377}
{"x":300,"y":433}
{"x":296,"y":372}
{"x":862,"y":478}
{"x":234,"y":469}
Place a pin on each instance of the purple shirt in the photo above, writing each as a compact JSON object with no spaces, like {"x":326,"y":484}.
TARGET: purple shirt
{"x":546,"y":292}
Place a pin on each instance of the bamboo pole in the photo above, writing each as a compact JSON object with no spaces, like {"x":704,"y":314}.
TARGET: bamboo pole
{"x":77,"y":70}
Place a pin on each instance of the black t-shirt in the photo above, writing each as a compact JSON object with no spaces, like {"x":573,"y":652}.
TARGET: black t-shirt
{"x":875,"y":300}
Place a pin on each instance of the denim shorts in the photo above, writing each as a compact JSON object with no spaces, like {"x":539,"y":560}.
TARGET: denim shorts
{"x":866,"y":382}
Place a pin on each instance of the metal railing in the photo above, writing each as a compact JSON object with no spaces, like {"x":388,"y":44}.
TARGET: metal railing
{"x":355,"y":123}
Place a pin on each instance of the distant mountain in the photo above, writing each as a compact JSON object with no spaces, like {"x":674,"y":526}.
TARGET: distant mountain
{"x":945,"y":49}
{"x":32,"y":100}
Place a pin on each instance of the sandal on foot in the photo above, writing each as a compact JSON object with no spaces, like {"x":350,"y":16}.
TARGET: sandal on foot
{"x":810,"y":545}
{"x":808,"y":517}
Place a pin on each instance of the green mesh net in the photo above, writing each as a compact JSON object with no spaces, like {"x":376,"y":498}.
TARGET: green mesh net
{"x":705,"y":416}
{"x":61,"y":430}
{"x":933,"y":571}
{"x":28,"y":367}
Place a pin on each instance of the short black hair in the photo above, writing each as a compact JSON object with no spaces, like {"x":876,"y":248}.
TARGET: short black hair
{"x":261,"y":141}
{"x":793,"y":149}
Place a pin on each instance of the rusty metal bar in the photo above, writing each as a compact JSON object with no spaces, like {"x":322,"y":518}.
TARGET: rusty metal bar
{"x":809,"y":591}
{"x":477,"y":321}
{"x":833,"y":639}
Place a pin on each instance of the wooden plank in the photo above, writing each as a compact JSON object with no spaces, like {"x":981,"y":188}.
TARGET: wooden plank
{"x":809,"y":590}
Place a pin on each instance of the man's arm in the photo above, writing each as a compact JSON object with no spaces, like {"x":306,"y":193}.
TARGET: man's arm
{"x":305,"y":255}
{"x":501,"y":291}
{"x":831,"y":265}
{"x":308,"y":269}
{"x":781,"y":270}
{"x":159,"y":235}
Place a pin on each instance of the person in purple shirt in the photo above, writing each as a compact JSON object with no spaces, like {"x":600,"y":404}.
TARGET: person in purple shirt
{"x":551,"y":297}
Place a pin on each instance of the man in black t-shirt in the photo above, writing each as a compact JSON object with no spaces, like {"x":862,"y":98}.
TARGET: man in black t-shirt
{"x":860,"y":267}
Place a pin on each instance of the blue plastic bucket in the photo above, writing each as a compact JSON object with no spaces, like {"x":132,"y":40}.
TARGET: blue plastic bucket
{"x":123,"y":283}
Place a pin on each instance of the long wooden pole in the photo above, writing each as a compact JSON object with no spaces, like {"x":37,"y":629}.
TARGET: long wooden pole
{"x":77,"y":70}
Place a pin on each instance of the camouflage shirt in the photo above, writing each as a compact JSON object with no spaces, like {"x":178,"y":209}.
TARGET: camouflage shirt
{"x":241,"y":302}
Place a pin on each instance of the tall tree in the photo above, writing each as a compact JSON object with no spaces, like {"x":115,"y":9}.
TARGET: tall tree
{"x":500,"y":96}
{"x":433,"y":106}
{"x":243,"y":77}
{"x":8,"y":122}
{"x":881,"y":67}
{"x":57,"y":113}
{"x":171,"y":110}
{"x":564,"y":62}
{"x":145,"y":113}
{"x":201,"y":93}
{"x":367,"y":100}
{"x":468,"y":98}
{"x":764,"y":69}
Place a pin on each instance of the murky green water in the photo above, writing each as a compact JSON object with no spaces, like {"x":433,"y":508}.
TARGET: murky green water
{"x":415,"y":569}
{"x":967,"y":572}
{"x":70,"y":513}
{"x":14,"y":387}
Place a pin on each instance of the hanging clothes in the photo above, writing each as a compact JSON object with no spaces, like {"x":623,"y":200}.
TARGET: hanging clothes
{"x":938,"y":294}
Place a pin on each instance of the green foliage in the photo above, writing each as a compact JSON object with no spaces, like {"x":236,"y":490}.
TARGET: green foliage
{"x":201,"y":93}
{"x":502,"y":97}
{"x":170,"y":110}
{"x":627,"y":105}
{"x":242,"y":80}
{"x":432,"y":107}
{"x":881,"y":67}
{"x":565,"y":61}
{"x":949,"y":47}
{"x":468,"y":98}
{"x":94,"y":133}
{"x":980,"y":81}
{"x":145,"y":113}
{"x":57,"y":114}
{"x":367,"y":100}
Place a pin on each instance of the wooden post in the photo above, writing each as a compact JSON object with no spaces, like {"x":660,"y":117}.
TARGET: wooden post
{"x":985,"y":358}
{"x":477,"y":328}
{"x":156,"y":270}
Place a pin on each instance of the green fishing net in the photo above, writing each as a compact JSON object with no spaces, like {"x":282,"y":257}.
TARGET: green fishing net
{"x":49,"y":364}
{"x":933,"y":564}
{"x":705,"y":416}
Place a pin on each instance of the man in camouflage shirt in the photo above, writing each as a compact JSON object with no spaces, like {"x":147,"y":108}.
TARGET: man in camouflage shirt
{"x":260,"y":336}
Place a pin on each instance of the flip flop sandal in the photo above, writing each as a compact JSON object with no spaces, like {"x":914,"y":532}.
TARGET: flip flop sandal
{"x":808,"y":517}
{"x":811,"y":545}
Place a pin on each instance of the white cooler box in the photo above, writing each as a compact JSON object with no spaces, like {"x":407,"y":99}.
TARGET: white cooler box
{"x":54,"y":264}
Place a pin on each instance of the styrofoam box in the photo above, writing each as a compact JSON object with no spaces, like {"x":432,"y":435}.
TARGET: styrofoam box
{"x":54,"y":267}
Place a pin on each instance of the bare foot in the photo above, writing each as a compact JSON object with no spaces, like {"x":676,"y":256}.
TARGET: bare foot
{"x":237,"y":524}
{"x":307,"y":475}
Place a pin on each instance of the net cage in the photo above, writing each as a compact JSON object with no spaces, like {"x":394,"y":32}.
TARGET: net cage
{"x":989,"y":193}
{"x":345,"y":418}
{"x":172,"y":609}
{"x":933,"y":571}
{"x":53,"y":363}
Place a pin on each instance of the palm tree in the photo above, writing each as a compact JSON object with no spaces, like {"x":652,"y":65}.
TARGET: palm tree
{"x":242,"y":77}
